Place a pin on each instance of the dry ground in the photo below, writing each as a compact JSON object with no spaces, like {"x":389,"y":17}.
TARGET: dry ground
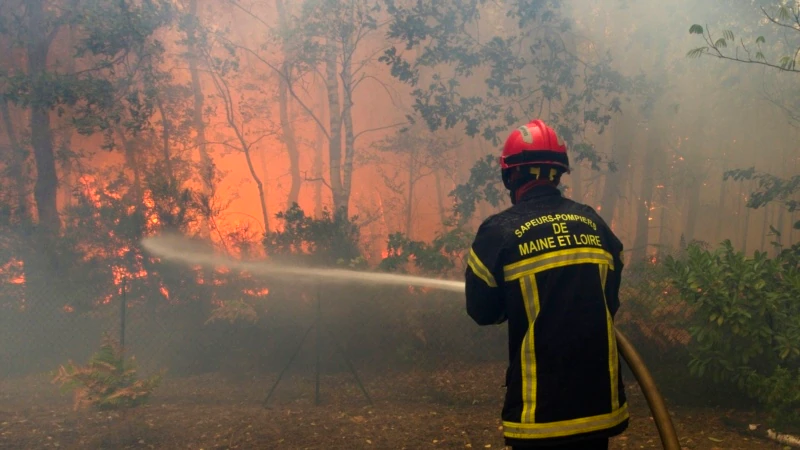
{"x":456,"y":408}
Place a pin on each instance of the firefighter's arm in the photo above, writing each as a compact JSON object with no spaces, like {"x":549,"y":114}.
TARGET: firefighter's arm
{"x":485,"y":302}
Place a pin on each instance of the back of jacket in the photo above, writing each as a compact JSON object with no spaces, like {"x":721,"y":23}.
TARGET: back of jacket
{"x":551,"y":268}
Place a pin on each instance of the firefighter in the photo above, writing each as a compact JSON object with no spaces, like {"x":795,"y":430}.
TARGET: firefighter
{"x":550,"y":267}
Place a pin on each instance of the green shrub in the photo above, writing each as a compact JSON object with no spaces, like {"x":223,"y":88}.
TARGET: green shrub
{"x":746,"y":323}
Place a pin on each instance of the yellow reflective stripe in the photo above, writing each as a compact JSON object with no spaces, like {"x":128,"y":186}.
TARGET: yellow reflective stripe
{"x":565,"y":427}
{"x":530,"y":296}
{"x":479,"y":269}
{"x":558,"y":258}
{"x":612,"y":342}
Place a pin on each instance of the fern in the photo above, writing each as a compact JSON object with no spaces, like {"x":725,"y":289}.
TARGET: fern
{"x":107,"y":381}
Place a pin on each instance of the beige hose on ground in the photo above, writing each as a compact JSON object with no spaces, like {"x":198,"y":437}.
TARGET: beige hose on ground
{"x":669,"y":438}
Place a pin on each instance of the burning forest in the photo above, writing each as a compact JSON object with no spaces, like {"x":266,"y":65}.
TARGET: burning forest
{"x":365,"y":137}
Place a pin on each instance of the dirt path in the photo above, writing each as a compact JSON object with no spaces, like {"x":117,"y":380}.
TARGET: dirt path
{"x":444,"y":409}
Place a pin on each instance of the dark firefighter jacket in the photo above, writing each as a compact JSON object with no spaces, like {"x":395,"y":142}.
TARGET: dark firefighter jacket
{"x":551,"y":268}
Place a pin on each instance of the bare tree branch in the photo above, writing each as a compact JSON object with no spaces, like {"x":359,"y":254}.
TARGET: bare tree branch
{"x":319,"y":179}
{"x":289,"y":83}
{"x":370,"y":130}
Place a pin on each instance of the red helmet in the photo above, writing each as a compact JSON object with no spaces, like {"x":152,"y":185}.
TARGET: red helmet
{"x":533,"y":144}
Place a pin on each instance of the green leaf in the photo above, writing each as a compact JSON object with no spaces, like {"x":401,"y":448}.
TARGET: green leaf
{"x":728,"y":34}
{"x":697,"y":52}
{"x":721,"y":43}
{"x":783,"y":12}
{"x":760,"y":40}
{"x":696,"y":29}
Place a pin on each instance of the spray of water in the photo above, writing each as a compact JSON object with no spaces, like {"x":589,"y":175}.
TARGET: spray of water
{"x":181,"y":249}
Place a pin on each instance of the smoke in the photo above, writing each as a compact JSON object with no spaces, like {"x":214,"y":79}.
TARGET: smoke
{"x":181,"y":249}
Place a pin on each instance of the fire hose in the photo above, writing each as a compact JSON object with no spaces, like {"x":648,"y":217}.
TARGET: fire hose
{"x":666,"y":430}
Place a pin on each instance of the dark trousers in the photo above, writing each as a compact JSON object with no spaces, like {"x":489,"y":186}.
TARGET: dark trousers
{"x":593,"y":444}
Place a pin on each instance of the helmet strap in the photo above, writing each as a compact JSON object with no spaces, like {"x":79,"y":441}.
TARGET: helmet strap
{"x":522,"y":179}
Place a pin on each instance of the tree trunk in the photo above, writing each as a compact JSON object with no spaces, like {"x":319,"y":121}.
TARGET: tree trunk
{"x":17,"y":164}
{"x":620,"y":154}
{"x":575,"y":182}
{"x":642,"y":209}
{"x":440,"y":198}
{"x":290,"y":141}
{"x":132,"y":161}
{"x":206,"y":164}
{"x":319,"y":149}
{"x":262,"y":196}
{"x":746,"y":230}
{"x":319,"y":154}
{"x":740,"y":200}
{"x":765,"y":228}
{"x":67,"y":169}
{"x":165,"y":138}
{"x":779,"y":226}
{"x":692,"y":195}
{"x":46,"y":187}
{"x":721,"y":214}
{"x":340,"y":200}
{"x":287,"y":127}
{"x":410,"y":193}
{"x":664,"y":244}
{"x":347,"y":113}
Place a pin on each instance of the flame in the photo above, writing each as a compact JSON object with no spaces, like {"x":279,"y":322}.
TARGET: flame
{"x":257,"y":293}
{"x":89,"y":191}
{"x":164,"y":291}
{"x":14,"y":269}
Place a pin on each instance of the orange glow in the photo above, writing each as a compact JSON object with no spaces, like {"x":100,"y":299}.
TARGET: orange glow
{"x":89,"y":191}
{"x":68,"y":309}
{"x":164,"y":291}
{"x":257,"y":292}
{"x":14,"y":269}
{"x":147,"y":199}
